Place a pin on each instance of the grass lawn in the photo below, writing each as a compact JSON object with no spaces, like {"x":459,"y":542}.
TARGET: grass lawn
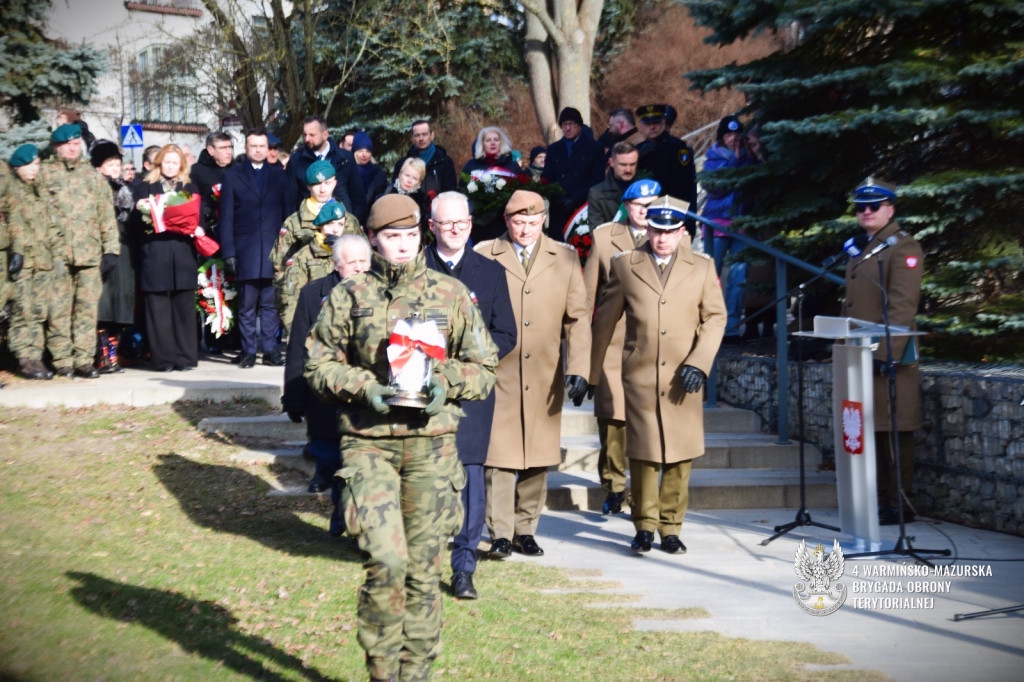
{"x":133,"y":548}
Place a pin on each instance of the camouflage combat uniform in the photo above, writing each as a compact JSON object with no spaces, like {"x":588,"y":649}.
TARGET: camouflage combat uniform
{"x":6,"y":286}
{"x":38,"y":317}
{"x":313,"y":261}
{"x":296,"y":232}
{"x":80,"y":205}
{"x":402,"y":476}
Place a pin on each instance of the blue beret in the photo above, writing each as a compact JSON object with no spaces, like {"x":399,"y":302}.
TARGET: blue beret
{"x":872,"y":190}
{"x":24,"y":155}
{"x":66,"y":133}
{"x":667,"y":213}
{"x":329,"y":212}
{"x":318,"y":172}
{"x":642,"y":189}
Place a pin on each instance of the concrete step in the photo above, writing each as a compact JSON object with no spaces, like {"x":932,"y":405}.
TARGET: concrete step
{"x":580,"y":421}
{"x":722,"y":451}
{"x":272,"y":426}
{"x":709,"y":489}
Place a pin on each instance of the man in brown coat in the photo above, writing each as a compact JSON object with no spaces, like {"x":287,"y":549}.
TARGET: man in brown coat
{"x":609,"y":403}
{"x":549,"y":300}
{"x":902,"y":266}
{"x":675,"y":319}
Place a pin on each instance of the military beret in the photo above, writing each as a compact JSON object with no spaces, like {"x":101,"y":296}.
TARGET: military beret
{"x":24,"y":155}
{"x":273,"y":140}
{"x":319,"y":171}
{"x":873,"y":189}
{"x":361,"y":141}
{"x":525,"y":202}
{"x":395,"y":211}
{"x":329,"y":212}
{"x":570,"y":114}
{"x":667,"y":213}
{"x":652,"y":112}
{"x":642,"y":189}
{"x":103,"y":150}
{"x":66,"y":133}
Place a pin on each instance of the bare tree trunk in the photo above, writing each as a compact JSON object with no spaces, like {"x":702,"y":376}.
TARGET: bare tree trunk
{"x":539,"y":68}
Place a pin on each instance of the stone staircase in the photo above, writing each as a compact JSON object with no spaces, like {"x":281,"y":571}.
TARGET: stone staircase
{"x":742,"y":468}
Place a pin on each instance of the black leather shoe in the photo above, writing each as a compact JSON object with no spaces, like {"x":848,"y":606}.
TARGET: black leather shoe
{"x":86,"y":372}
{"x":184,"y":368}
{"x":462,"y":585}
{"x":613,"y":503}
{"x":500,"y":549}
{"x":673,"y":545}
{"x":248,"y":360}
{"x":34,"y":369}
{"x":65,"y":372}
{"x":642,"y":542}
{"x":525,"y":544}
{"x":274,"y":359}
{"x":318,"y":484}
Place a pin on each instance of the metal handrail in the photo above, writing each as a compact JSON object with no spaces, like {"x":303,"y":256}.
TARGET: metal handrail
{"x":781,"y":341}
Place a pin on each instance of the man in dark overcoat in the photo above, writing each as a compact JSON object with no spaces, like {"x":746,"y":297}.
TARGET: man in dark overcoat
{"x":317,"y":145}
{"x":450,"y":221}
{"x":255,"y":200}
{"x":576,"y":162}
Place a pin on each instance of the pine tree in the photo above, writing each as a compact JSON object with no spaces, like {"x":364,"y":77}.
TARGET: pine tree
{"x":928,"y":94}
{"x":38,"y":71}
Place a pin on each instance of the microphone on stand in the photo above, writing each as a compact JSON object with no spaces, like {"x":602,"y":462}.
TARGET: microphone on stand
{"x":852,"y":248}
{"x":891,"y":241}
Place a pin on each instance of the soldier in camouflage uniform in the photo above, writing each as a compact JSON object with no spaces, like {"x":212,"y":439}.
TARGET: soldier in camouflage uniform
{"x":297,"y":231}
{"x":6,"y":286}
{"x":401,"y":475}
{"x":83,"y":214}
{"x":36,"y":318}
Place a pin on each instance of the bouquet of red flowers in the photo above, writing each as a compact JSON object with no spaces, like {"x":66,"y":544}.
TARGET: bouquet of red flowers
{"x":177,"y":212}
{"x":577,"y":233}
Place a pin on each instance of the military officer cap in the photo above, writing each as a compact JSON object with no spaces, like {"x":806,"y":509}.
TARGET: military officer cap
{"x":524,"y":202}
{"x":273,"y":141}
{"x":102,"y":151}
{"x":319,"y":171}
{"x":873,"y":189}
{"x":649,"y":113}
{"x":667,"y":213}
{"x":395,"y":211}
{"x":645,"y":191}
{"x":66,"y":133}
{"x":329,"y":212}
{"x":24,"y":155}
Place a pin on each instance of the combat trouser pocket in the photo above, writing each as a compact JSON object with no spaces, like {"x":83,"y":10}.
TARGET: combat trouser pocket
{"x":456,"y":481}
{"x":350,"y":505}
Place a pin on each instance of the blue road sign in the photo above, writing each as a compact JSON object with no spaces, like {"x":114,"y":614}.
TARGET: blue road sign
{"x":131,"y":136}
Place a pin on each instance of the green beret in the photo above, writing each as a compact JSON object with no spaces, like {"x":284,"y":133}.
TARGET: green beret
{"x":329,"y":212}
{"x":318,"y":172}
{"x":66,"y":133}
{"x":24,"y":155}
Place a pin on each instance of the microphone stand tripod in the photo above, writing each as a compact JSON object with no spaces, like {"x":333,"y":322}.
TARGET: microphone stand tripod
{"x":803,"y":517}
{"x":902,"y":546}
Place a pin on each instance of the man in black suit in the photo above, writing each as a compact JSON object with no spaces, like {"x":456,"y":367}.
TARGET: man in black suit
{"x":317,"y":145}
{"x":255,"y":200}
{"x":450,"y":221}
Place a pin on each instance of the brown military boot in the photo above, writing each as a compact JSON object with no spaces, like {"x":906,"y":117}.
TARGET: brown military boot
{"x":35,"y":369}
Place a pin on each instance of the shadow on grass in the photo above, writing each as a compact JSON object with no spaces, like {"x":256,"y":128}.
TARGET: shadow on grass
{"x":199,"y":627}
{"x":229,"y":499}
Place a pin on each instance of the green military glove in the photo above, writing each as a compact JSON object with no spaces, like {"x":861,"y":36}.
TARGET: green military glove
{"x":375,"y":394}
{"x":438,"y":394}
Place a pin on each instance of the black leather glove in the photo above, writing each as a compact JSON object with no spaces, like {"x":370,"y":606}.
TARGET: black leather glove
{"x":107,"y":264}
{"x":693,"y":378}
{"x":375,"y":394}
{"x":15,"y":264}
{"x":231,"y":265}
{"x":578,"y":388}
{"x":294,"y":415}
{"x":438,"y":395}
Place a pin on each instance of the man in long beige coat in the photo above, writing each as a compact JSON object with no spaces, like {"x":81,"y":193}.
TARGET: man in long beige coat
{"x":609,"y":402}
{"x":675,"y":319}
{"x":902,"y":270}
{"x":549,"y":299}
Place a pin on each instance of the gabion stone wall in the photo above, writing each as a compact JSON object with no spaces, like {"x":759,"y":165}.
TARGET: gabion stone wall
{"x":969,"y":454}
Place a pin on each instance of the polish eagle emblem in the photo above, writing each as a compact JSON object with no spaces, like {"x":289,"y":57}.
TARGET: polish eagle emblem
{"x":818,"y":572}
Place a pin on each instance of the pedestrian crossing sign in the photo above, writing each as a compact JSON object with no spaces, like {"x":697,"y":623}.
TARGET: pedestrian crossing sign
{"x":131,"y":136}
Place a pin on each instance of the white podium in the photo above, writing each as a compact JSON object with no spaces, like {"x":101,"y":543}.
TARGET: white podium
{"x":853,"y":415}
